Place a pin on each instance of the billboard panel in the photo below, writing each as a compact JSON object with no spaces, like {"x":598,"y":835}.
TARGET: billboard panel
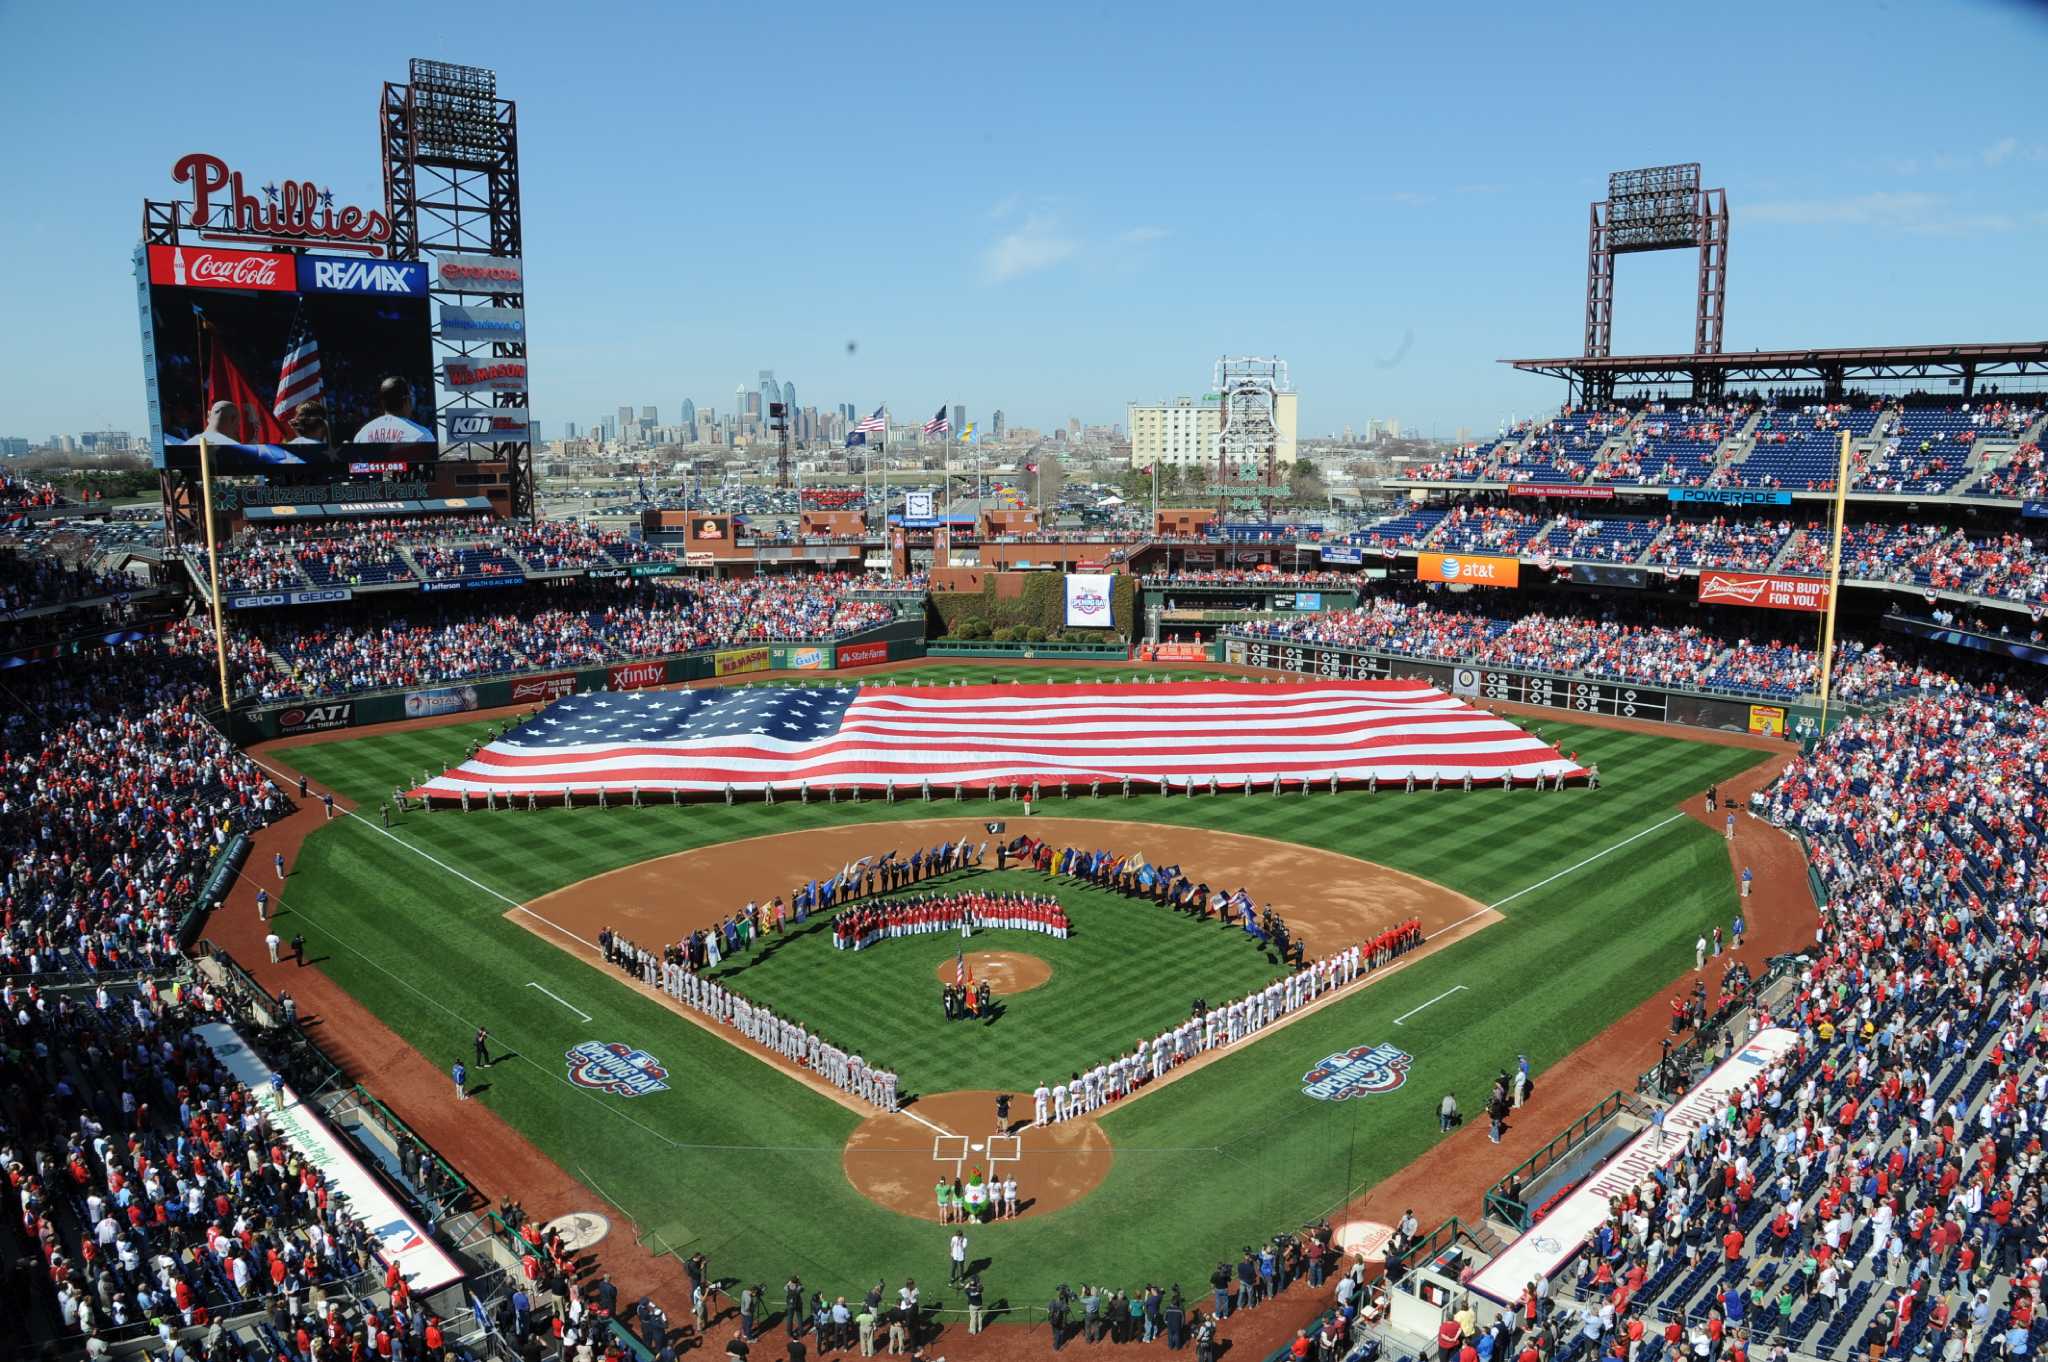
{"x":336,"y":274}
{"x":457,"y":273}
{"x":484,"y":425}
{"x":507,"y":324}
{"x":1088,"y":600}
{"x":734,"y":661}
{"x":861,"y":654}
{"x":483,"y":375}
{"x":1469,"y":569}
{"x":1762,"y":589}
{"x":278,"y":378}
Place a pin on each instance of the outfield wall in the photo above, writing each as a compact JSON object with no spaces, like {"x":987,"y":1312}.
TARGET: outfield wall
{"x":889,"y":643}
{"x":1551,"y":690}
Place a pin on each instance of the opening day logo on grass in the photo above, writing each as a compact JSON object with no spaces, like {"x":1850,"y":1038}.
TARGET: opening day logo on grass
{"x":1358,"y":1072}
{"x":609,"y":1066}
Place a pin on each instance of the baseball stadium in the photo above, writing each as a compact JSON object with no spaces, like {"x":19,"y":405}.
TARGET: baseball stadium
{"x":869,"y":890}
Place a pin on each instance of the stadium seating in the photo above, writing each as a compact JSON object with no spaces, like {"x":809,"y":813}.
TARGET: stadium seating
{"x":1485,"y":529}
{"x":1723,"y":542}
{"x":1616,"y":540}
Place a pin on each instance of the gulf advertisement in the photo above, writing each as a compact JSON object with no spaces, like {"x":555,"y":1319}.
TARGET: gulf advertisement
{"x":813,"y":659}
{"x":1466,"y":569}
{"x":734,"y":661}
{"x":1809,"y":594}
{"x":861,"y":654}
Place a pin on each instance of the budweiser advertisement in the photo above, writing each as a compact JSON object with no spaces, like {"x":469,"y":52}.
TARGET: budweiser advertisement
{"x":1466,"y":569}
{"x":540,"y":689}
{"x":281,"y":379}
{"x":1761,"y":589}
{"x":638,"y":675}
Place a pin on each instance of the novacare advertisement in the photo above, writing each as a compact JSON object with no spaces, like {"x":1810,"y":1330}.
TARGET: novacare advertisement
{"x":398,"y":1236}
{"x":1088,"y":600}
{"x":1554,"y":1240}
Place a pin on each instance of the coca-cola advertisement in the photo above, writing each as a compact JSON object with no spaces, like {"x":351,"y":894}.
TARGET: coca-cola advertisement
{"x":278,"y":378}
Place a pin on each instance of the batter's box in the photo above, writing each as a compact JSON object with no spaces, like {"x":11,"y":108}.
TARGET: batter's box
{"x":1005,"y":1148}
{"x":949,"y":1149}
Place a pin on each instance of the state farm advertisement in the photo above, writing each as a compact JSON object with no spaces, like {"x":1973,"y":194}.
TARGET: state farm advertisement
{"x":1772,"y":593}
{"x":543,"y":688}
{"x":861,"y":654}
{"x":1467,"y":569}
{"x":638,"y":675}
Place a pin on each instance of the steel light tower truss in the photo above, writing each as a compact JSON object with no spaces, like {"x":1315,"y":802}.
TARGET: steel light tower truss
{"x":1247,"y":443}
{"x":451,"y":176}
{"x":1657,"y":208}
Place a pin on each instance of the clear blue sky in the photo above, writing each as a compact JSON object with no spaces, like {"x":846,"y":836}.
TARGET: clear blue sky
{"x":1058,"y":209}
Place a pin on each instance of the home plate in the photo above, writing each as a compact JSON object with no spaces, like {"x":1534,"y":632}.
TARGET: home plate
{"x":975,"y":1147}
{"x":1366,"y":1238}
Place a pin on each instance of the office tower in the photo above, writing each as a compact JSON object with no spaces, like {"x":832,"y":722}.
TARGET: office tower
{"x":689,"y":413}
{"x":995,"y":424}
{"x":959,"y":419}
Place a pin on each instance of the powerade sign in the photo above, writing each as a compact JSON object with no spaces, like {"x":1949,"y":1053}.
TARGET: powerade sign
{"x":385,"y":278}
{"x":1730,"y":496}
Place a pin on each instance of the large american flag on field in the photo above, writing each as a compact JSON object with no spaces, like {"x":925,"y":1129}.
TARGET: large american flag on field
{"x":871,"y":736}
{"x":298,"y":377}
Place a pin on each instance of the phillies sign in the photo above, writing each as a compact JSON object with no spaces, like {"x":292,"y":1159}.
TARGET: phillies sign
{"x":1771,"y":592}
{"x":213,"y":267}
{"x":294,"y":211}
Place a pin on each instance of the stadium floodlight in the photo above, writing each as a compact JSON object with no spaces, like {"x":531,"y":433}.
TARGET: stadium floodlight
{"x":455,"y":112}
{"x":1657,"y":208}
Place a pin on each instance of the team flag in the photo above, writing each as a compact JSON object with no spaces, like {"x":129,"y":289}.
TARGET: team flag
{"x":967,"y":435}
{"x":980,"y":736}
{"x":939,"y":424}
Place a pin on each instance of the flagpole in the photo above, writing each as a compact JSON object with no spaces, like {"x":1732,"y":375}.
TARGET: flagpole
{"x":220,"y":638}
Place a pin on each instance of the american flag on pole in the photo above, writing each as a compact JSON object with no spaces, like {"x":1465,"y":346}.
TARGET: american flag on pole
{"x":298,"y":378}
{"x":977,"y":736}
{"x":877,"y":422}
{"x":938,"y":424}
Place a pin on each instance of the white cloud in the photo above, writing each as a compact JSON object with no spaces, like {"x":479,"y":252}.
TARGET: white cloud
{"x":1139,"y":236}
{"x":1037,"y":244}
{"x":2001,"y":150}
{"x":1003,"y":207}
{"x":1886,"y":210}
{"x":1408,"y":198}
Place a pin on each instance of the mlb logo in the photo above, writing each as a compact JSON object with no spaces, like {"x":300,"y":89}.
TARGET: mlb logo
{"x":616,"y":1068}
{"x":1358,"y":1072}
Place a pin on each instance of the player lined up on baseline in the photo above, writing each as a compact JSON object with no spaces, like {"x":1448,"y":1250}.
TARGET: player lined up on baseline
{"x":845,"y":1069}
{"x":858,"y":928}
{"x":1211,"y":1028}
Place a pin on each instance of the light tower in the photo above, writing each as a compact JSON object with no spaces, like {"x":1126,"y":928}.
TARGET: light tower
{"x":1248,"y":438}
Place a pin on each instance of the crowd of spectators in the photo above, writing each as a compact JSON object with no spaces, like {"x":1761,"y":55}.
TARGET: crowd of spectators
{"x":1250,"y":576}
{"x":290,"y":654}
{"x":1640,"y":652}
{"x":295,"y":555}
{"x":18,"y":493}
{"x":31,"y":581}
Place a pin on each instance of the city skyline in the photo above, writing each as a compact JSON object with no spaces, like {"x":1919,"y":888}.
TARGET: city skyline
{"x":1408,"y":246}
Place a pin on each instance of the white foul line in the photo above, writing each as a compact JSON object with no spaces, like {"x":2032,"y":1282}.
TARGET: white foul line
{"x":560,"y":999}
{"x":1455,"y":988}
{"x":1632,"y":837}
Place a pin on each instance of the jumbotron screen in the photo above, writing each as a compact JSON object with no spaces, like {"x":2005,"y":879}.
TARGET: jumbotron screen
{"x":290,"y":361}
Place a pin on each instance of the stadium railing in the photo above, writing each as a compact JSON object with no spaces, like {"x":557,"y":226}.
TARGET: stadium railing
{"x":1511,"y":1210}
{"x":977,"y":648}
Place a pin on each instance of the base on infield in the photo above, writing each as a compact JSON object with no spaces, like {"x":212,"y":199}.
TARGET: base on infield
{"x":1007,"y":972}
{"x":895,"y":1160}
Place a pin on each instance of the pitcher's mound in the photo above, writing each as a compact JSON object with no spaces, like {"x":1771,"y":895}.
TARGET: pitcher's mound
{"x":1007,"y":972}
{"x":890,"y":1160}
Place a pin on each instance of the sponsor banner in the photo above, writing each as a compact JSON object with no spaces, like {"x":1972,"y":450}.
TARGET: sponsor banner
{"x":388,"y":278}
{"x":699,"y":556}
{"x":297,"y":1124}
{"x":473,"y":583}
{"x":314,"y":718}
{"x":606,"y":574}
{"x":707,"y":527}
{"x":638,"y":675}
{"x":734,"y":661}
{"x":484,"y":375}
{"x":860,"y":654}
{"x":419,"y":704}
{"x":485,"y":425}
{"x":1361,"y":1071}
{"x":1755,"y":588}
{"x":1465,"y":681}
{"x":1467,"y":569}
{"x":1348,"y":554}
{"x":455,"y":272}
{"x":616,"y":1068}
{"x":532,"y":689}
{"x":1304,"y":600}
{"x":1730,"y":496}
{"x":324,"y":596}
{"x":1767,"y":720}
{"x":1609,"y":574}
{"x":507,"y":324}
{"x":379,"y":468}
{"x":1088,"y":600}
{"x":651,"y":570}
{"x":257,"y":602}
{"x":2034,"y":510}
{"x":217,"y":267}
{"x":810,"y":659}
{"x":1182,"y":652}
{"x":1568,"y":491}
{"x":1554,"y":1240}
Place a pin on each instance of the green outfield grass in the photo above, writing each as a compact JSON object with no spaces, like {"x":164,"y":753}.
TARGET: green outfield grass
{"x":1128,"y":968}
{"x":745,"y":1165}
